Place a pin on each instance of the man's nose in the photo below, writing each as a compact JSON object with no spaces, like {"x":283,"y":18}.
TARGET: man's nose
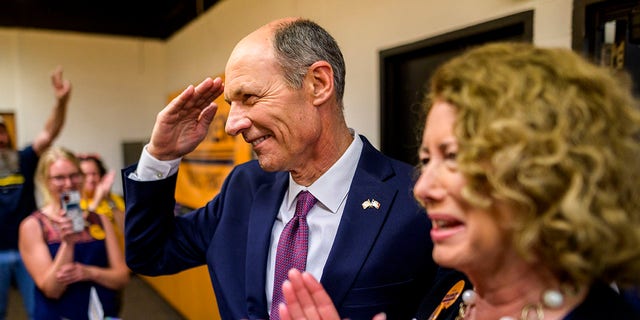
{"x":237,"y":120}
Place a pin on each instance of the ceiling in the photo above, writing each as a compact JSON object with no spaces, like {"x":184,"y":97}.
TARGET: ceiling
{"x":158,"y":19}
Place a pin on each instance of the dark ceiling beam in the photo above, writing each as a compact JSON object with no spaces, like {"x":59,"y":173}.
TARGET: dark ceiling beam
{"x":139,"y":18}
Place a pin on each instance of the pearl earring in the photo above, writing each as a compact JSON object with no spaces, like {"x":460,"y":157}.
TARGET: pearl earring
{"x":552,"y":299}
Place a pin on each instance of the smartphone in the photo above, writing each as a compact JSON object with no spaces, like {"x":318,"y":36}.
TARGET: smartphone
{"x":71,"y":204}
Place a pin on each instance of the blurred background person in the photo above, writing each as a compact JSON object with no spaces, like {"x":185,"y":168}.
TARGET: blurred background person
{"x":529,"y":175}
{"x":66,"y":265}
{"x":17,"y":193}
{"x":97,"y":195}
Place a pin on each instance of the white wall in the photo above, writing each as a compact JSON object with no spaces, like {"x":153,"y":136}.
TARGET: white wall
{"x":120,"y":83}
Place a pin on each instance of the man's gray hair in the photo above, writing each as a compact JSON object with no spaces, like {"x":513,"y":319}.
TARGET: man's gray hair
{"x":301,"y":43}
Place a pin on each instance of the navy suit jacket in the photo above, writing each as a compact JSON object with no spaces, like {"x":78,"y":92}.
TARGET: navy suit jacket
{"x":380,"y":260}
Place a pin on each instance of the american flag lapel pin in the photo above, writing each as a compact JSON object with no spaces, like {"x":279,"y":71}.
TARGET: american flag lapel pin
{"x":371,"y":203}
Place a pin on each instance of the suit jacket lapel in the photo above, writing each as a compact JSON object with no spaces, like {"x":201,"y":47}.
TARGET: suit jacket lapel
{"x":359,"y":226}
{"x":263,"y":213}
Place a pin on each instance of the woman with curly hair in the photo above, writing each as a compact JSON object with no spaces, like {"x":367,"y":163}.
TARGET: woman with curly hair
{"x":529,"y":173}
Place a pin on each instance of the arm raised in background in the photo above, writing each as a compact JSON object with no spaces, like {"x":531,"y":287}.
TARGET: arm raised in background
{"x":55,"y":122}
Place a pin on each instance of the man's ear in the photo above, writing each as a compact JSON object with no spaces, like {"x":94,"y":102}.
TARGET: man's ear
{"x":320,"y":75}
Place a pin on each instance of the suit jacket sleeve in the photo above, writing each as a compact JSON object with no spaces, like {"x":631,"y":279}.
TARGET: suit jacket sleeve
{"x":157,"y":241}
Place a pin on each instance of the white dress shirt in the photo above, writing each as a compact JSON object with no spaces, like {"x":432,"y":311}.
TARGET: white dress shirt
{"x":331,"y":190}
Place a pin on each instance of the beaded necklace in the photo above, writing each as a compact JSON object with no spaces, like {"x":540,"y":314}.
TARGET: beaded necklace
{"x":551,"y":299}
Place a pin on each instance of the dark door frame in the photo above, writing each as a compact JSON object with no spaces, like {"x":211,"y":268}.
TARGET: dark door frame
{"x":405,"y":70}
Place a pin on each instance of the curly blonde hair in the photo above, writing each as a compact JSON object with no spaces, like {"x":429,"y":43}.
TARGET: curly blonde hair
{"x":556,"y":138}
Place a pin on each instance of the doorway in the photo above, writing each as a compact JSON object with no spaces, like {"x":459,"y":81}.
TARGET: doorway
{"x":405,"y":71}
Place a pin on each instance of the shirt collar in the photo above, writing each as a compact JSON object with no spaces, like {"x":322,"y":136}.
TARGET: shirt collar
{"x":330,"y":189}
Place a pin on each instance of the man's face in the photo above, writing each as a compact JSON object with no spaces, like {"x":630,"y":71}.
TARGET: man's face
{"x":4,"y":138}
{"x":279,"y":122}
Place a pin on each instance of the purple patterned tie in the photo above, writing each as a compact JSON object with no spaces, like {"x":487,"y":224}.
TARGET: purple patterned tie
{"x":292,"y":248}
